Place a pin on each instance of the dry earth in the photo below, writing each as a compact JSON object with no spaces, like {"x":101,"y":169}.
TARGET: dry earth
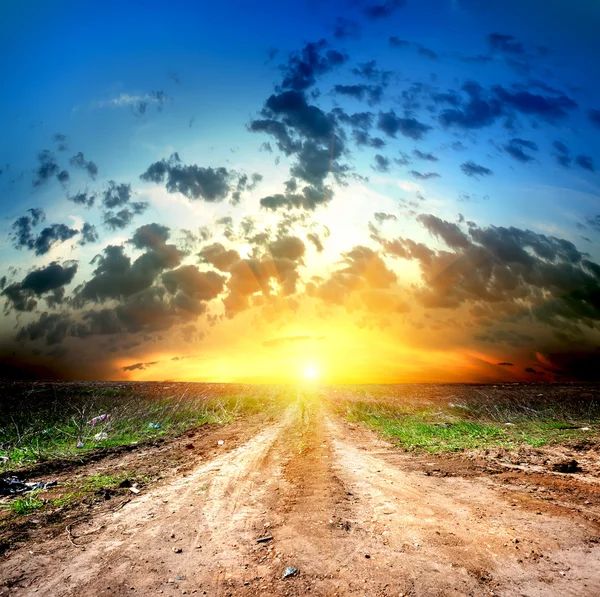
{"x":352,"y":514}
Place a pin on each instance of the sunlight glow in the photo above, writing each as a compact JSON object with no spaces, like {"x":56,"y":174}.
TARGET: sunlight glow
{"x":311,"y":373}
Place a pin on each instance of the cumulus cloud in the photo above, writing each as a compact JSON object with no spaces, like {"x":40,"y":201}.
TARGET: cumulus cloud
{"x":193,"y":181}
{"x":507,"y":267}
{"x":139,"y":366}
{"x":47,"y":167}
{"x":52,"y":278}
{"x":79,"y":161}
{"x":515,"y":148}
{"x":303,"y":67}
{"x":24,"y":237}
{"x":474,"y":170}
{"x":391,"y":124}
{"x":381,"y":10}
{"x":84,"y":198}
{"x":586,"y":162}
{"x":424,"y":175}
{"x":506,"y":44}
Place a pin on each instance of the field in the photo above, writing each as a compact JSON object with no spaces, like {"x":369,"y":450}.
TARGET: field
{"x":216,"y":489}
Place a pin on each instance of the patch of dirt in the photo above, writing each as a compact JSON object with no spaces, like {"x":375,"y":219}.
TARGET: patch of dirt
{"x":351,"y":514}
{"x":148,"y":462}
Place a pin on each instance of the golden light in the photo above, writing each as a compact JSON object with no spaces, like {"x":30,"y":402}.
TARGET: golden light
{"x":310,"y":372}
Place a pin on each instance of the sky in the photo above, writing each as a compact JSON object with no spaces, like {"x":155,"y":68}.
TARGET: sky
{"x":360,"y":191}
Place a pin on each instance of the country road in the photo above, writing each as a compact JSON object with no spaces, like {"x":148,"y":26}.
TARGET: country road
{"x":341,"y":506}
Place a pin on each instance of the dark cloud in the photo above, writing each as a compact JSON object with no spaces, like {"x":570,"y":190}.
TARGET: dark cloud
{"x":562,"y":154}
{"x":396,"y":42}
{"x":116,"y":195}
{"x":427,"y":52}
{"x":217,"y":255}
{"x":316,"y":162}
{"x":369,"y":71}
{"x":586,"y":162}
{"x":449,"y":232}
{"x":278,"y":130}
{"x":193,"y":284}
{"x":391,"y":124}
{"x":506,"y":44}
{"x":116,"y":277}
{"x":49,"y":279}
{"x":89,"y":234}
{"x":510,"y":337}
{"x":515,"y":148}
{"x":594,"y":116}
{"x":424,"y":175}
{"x":346,"y":29}
{"x":363,"y":139}
{"x":474,"y":170}
{"x":372,"y":93}
{"x":594,"y":223}
{"x":63,"y":177}
{"x":381,"y":217}
{"x":382,"y":164}
{"x":307,"y":121}
{"x":403,"y":160}
{"x":288,"y":247}
{"x":83,"y":198}
{"x":381,"y":10}
{"x":316,"y":241}
{"x":195,"y":182}
{"x":507,"y":268}
{"x":139,"y":366}
{"x":47,"y":167}
{"x":477,"y":112}
{"x":119,"y":220}
{"x":309,"y":199}
{"x":504,"y":364}
{"x":422,"y":155}
{"x":52,"y":328}
{"x":547,"y":107}
{"x":23,"y":236}
{"x":303,"y":68}
{"x":245,"y":183}
{"x":363,"y":272}
{"x":79,"y":161}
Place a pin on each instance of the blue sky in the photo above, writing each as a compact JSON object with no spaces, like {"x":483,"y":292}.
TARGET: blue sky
{"x":290,"y":135}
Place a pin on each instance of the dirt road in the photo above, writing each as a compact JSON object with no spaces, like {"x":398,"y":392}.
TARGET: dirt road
{"x":341,"y":506}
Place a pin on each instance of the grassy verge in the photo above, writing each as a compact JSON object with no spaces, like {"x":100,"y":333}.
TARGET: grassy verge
{"x":430,"y":424}
{"x":49,"y":422}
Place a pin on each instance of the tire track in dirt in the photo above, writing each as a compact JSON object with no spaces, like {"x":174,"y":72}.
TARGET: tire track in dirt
{"x":181,"y":536}
{"x":451,"y":536}
{"x":340,"y":508}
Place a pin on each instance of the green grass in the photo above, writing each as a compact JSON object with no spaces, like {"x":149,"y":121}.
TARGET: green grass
{"x":43,"y":423}
{"x":446,"y":428}
{"x":21,"y":506}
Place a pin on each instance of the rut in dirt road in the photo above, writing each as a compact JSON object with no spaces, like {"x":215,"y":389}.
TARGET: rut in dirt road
{"x":340,"y":509}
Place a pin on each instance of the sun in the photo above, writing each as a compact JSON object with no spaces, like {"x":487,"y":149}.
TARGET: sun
{"x":310,"y":373}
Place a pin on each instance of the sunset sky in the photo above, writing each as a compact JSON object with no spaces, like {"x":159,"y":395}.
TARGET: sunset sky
{"x":364,"y":190}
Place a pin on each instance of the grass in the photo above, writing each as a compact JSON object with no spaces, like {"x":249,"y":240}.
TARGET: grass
{"x":21,"y":506}
{"x":47,"y":421}
{"x":454,"y":418}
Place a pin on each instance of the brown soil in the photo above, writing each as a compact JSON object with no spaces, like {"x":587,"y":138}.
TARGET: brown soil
{"x":353,"y":515}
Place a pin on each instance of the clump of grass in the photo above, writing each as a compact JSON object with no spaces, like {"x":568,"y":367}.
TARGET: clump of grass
{"x":413,"y":433}
{"x":23,"y":505}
